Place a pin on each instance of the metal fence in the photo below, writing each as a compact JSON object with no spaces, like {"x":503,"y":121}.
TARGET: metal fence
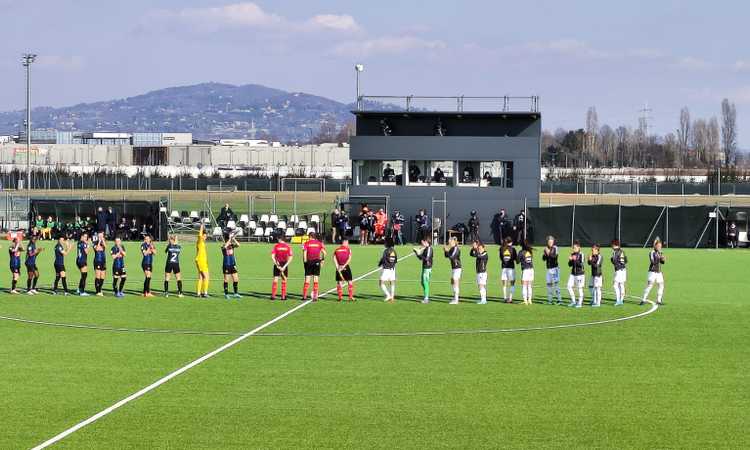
{"x":643,"y":188}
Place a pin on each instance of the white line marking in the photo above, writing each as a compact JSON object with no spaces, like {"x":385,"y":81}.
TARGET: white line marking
{"x":184,"y":369}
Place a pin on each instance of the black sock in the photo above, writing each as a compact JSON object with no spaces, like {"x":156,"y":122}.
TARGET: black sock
{"x":57,"y":281}
{"x":234,"y":286}
{"x":179,"y":286}
{"x":28,"y":284}
{"x":122,"y":284}
{"x":33,"y":283}
{"x":82,"y":283}
{"x":65,"y":283}
{"x":166,"y":286}
{"x":14,"y":283}
{"x":226,"y":288}
{"x":114,"y":284}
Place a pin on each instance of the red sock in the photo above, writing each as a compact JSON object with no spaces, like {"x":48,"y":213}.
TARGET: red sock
{"x":305,"y":288}
{"x":351,"y":291}
{"x":283,"y":289}
{"x":315,"y":289}
{"x":339,"y":291}
{"x":274,"y":287}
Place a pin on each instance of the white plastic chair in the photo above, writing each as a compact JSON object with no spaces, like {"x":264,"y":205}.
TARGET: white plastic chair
{"x":311,"y":230}
{"x":252,"y":225}
{"x":289,"y":232}
{"x":231,"y":224}
{"x":302,"y":224}
{"x":258,"y":234}
{"x":194,"y":215}
{"x":267,"y":233}
{"x":175,"y":214}
{"x":244,"y":218}
{"x":240,"y":232}
{"x":274,"y":218}
{"x":294,"y":219}
{"x":281,"y":224}
{"x":264,"y":218}
{"x":217,"y":233}
{"x":315,"y":218}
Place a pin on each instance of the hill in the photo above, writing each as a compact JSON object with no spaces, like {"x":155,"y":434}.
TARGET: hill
{"x":208,"y":110}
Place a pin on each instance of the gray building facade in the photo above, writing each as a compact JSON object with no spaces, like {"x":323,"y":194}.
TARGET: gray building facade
{"x":476,"y":161}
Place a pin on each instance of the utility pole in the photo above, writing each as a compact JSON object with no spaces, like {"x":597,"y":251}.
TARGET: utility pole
{"x":26,"y":60}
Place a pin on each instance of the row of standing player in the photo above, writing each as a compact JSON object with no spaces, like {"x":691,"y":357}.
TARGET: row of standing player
{"x":98,"y":246}
{"x":509,"y":257}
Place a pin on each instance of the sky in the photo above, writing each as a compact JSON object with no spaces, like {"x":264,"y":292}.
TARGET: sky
{"x":616,"y":56}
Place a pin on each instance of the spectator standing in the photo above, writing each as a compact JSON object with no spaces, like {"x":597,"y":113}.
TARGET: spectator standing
{"x":111,"y":222}
{"x":473,"y":227}
{"x":519,"y":228}
{"x":423,"y":225}
{"x":225,"y":215}
{"x":101,"y":220}
{"x":397,"y":223}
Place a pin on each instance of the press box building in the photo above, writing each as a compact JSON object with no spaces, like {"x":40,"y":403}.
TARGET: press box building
{"x":449,"y":162}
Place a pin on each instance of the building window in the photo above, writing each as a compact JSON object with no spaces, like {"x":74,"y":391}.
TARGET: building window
{"x":379,"y":173}
{"x":485,"y":174}
{"x":149,"y":156}
{"x":430,"y":173}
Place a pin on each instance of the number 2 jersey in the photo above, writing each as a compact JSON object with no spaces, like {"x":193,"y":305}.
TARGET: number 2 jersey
{"x":173,"y":255}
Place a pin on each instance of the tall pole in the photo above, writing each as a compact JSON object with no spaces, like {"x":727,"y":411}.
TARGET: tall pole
{"x":357,"y":69}
{"x":26,"y":61}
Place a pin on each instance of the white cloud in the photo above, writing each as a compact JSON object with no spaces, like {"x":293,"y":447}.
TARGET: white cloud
{"x":742,"y":66}
{"x":245,"y":14}
{"x":336,"y":22}
{"x":569,"y":47}
{"x":387,"y":45}
{"x":66,"y":63}
{"x":646,"y":53}
{"x":693,"y":63}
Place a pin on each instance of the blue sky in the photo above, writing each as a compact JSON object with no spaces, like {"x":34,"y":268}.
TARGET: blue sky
{"x":612,"y":55}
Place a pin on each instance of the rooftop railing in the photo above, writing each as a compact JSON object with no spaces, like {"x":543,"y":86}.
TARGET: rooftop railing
{"x":460,"y":103}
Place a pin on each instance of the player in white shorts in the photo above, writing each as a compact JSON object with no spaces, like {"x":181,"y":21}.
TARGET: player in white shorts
{"x":553,"y":270}
{"x":595,"y":283}
{"x":508,"y":258}
{"x":480,"y":253}
{"x":453,"y":253}
{"x":655,"y":275}
{"x":526,"y":260}
{"x":388,"y":262}
{"x":577,"y":278}
{"x":619,"y":261}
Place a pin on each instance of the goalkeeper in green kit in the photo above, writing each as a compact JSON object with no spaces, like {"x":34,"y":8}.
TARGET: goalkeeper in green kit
{"x":425,"y":254}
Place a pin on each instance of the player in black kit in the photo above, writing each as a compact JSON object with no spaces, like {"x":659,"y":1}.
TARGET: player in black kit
{"x":173,"y":251}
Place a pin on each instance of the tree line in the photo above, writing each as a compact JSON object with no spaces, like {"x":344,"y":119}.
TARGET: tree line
{"x":695,"y":144}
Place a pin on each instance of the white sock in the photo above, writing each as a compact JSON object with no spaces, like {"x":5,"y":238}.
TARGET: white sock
{"x":549,"y":293}
{"x":512,"y":290}
{"x":558,"y":292}
{"x":529,"y":294}
{"x":505,"y":292}
{"x":572,"y":293}
{"x":660,"y":292}
{"x":393,"y":290}
{"x":385,"y":290}
{"x":598,"y":296}
{"x":483,"y":293}
{"x":580,"y":295}
{"x":455,"y":291}
{"x":647,"y":291}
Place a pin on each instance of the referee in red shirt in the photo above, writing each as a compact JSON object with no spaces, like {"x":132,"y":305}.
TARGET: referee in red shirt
{"x":313,"y":254}
{"x":281,"y":255}
{"x":343,"y":257}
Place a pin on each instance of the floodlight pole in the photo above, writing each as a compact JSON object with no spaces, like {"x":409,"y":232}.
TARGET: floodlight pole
{"x":26,"y":60}
{"x":357,"y":69}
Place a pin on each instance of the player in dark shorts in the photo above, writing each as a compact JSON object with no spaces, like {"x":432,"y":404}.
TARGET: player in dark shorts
{"x":100,"y":264}
{"x":62,"y":248}
{"x":119,"y":275}
{"x":229,"y":265}
{"x":147,"y":264}
{"x":282,"y":256}
{"x":82,"y":255}
{"x":172,"y":266}
{"x":15,"y":263}
{"x":313,"y":255}
{"x":31,"y":268}
{"x":342,"y":257}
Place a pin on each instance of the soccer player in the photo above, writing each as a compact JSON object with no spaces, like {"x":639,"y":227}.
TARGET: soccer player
{"x":62,"y":248}
{"x":550,"y":256}
{"x":595,"y":283}
{"x":100,"y":264}
{"x":118,"y":268}
{"x":172,"y":266}
{"x":388,"y":262}
{"x":620,"y":261}
{"x":82,"y":263}
{"x":526,"y":260}
{"x":14,"y":251}
{"x":656,"y":260}
{"x":425,"y":254}
{"x":508,"y":258}
{"x":453,"y":253}
{"x":577,"y":275}
{"x":147,"y":264}
{"x":31,"y":268}
{"x":201,"y":262}
{"x":342,"y":257}
{"x":282,"y":256}
{"x":313,"y":255}
{"x":229,"y":265}
{"x":480,"y":253}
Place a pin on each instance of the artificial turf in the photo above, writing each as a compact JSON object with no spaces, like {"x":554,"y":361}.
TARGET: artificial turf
{"x":323,"y":377}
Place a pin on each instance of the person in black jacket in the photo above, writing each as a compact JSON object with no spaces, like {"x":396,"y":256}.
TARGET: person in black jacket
{"x":577,"y":275}
{"x":473,"y":225}
{"x":508,"y":258}
{"x":620,"y":262}
{"x":453,"y":253}
{"x":550,"y":256}
{"x":423,"y":225}
{"x":425,"y":254}
{"x":225,"y":215}
{"x":480,"y":253}
{"x":519,"y":228}
{"x":397,"y":223}
{"x":111,"y":223}
{"x":101,"y":220}
{"x":388,"y":262}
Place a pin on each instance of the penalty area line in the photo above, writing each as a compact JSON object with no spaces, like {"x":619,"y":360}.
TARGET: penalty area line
{"x":57,"y":438}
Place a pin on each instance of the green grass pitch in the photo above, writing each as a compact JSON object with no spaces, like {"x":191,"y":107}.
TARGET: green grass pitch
{"x":677,"y":378}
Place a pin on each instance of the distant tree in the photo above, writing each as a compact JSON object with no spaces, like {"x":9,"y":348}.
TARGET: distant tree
{"x":683,"y":135}
{"x":728,"y":130}
{"x":699,"y":140}
{"x":592,"y":133}
{"x":713,"y":144}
